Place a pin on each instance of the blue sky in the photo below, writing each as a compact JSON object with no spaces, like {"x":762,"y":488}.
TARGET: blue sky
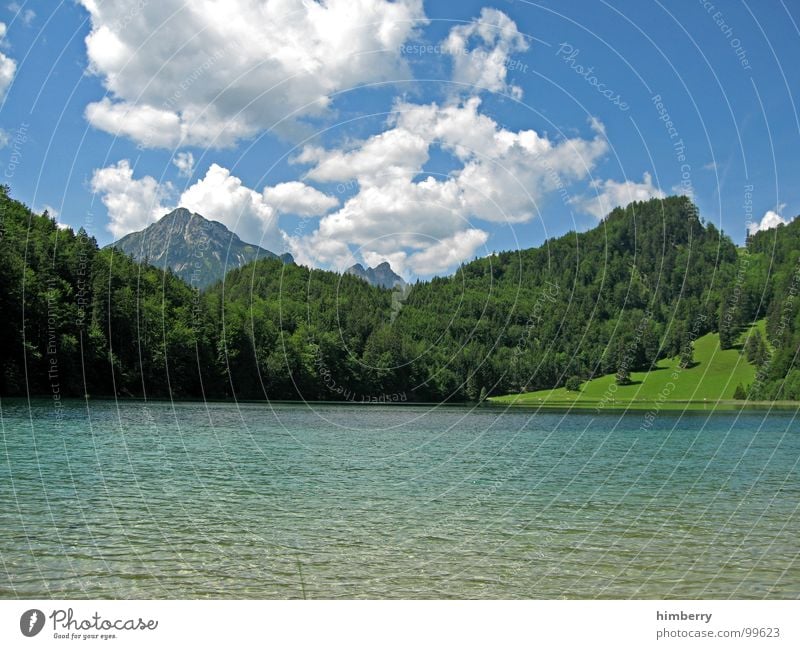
{"x":424,"y":133}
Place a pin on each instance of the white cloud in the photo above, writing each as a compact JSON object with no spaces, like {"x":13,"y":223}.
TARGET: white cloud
{"x":448,"y":252}
{"x":437,"y":257}
{"x":392,"y":154}
{"x":422,"y":224}
{"x":5,"y":138}
{"x":482,"y":50}
{"x":27,"y":16}
{"x":132,"y":204}
{"x":771,"y":219}
{"x":152,"y":127}
{"x":611,"y":193}
{"x":502,"y":175}
{"x":52,"y":211}
{"x":223,"y":197}
{"x":210,"y":73}
{"x":184,"y":163}
{"x":298,"y":198}
{"x":8,"y":67}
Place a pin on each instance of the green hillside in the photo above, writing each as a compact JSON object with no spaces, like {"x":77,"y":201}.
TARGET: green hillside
{"x":711,"y":380}
{"x":630,"y":294}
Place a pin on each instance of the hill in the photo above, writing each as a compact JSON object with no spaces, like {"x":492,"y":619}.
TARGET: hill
{"x":197,"y":250}
{"x":629,"y":294}
{"x":711,"y":380}
{"x":630,"y":291}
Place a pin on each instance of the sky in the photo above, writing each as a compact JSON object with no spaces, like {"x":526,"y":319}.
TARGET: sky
{"x":425,"y":134}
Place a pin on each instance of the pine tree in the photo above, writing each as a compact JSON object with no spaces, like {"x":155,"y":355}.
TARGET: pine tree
{"x":755,"y":348}
{"x":472,"y":390}
{"x":687,"y":354}
{"x":726,"y":333}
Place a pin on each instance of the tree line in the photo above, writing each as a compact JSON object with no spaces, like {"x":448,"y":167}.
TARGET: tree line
{"x":637,"y":288}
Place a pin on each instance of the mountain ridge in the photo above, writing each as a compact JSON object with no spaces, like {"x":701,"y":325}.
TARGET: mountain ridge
{"x":198,"y":250}
{"x":381,"y":275}
{"x":614,"y":301}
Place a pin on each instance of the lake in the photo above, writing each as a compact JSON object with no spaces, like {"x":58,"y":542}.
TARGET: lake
{"x":193,"y":500}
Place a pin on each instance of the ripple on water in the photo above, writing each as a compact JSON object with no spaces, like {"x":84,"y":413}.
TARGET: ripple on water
{"x":248,"y":501}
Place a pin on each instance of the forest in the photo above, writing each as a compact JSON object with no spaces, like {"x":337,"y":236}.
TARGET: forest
{"x":79,"y":320}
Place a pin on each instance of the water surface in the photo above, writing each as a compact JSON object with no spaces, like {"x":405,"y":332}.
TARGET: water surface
{"x":192,"y":500}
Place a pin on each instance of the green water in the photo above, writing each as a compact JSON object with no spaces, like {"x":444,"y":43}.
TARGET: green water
{"x":190,"y":500}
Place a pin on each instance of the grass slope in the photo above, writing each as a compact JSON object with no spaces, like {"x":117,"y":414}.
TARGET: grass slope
{"x":711,"y":381}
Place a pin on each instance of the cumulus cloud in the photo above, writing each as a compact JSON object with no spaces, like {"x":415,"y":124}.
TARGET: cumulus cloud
{"x":501,"y":176}
{"x":151,"y":127}
{"x":771,"y":219}
{"x":8,"y":67}
{"x":51,"y":211}
{"x":298,"y":198}
{"x":609,"y":194}
{"x":223,"y":197}
{"x":482,"y":51}
{"x":54,"y":214}
{"x":420,"y":223}
{"x":184,"y":163}
{"x":27,"y":16}
{"x":448,"y":252}
{"x":134,"y":203}
{"x":210,"y":73}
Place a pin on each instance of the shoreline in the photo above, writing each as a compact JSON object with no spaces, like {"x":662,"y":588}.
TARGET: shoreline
{"x":494,"y":403}
{"x":648,"y":405}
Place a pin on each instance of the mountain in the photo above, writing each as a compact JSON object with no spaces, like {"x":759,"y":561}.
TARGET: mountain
{"x":382,"y":275}
{"x":643,"y":288}
{"x":198,"y":250}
